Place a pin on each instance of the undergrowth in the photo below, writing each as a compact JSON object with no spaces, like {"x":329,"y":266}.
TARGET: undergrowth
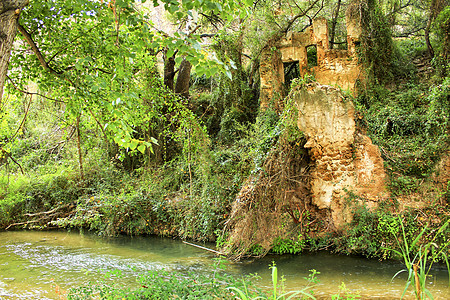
{"x":411,"y":128}
{"x":168,"y":284}
{"x":371,"y":231}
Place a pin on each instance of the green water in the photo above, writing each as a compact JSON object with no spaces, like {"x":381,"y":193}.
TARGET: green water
{"x":42,"y":265}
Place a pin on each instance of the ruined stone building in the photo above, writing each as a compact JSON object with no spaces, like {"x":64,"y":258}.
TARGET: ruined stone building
{"x":333,"y":67}
{"x":340,"y":158}
{"x":343,"y":159}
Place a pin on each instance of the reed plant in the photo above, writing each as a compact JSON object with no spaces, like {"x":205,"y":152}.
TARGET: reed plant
{"x":278,"y":292}
{"x":419,"y":257}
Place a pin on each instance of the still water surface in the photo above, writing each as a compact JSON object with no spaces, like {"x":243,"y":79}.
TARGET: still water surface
{"x":38,"y":265}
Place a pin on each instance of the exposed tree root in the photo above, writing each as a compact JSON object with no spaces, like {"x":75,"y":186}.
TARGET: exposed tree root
{"x":275,"y":203}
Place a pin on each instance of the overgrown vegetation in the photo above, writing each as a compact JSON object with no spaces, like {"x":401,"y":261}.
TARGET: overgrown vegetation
{"x":105,"y":145}
{"x":165,"y":284}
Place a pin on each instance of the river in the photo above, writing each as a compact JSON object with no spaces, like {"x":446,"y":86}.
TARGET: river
{"x":43,"y":265}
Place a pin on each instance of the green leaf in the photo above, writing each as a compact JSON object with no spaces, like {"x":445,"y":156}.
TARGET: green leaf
{"x":229,"y":75}
{"x":200,"y":70}
{"x":133,"y":144}
{"x":196,"y":45}
{"x":141,"y":148}
{"x":178,"y":59}
{"x":170,"y":52}
{"x":179,"y":14}
{"x":78,"y":65}
{"x":154,"y":141}
{"x":172,"y":8}
{"x":274,"y":280}
{"x":241,"y":293}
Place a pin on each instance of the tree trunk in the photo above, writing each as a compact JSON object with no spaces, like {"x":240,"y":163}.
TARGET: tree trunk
{"x":446,"y":48}
{"x":169,"y":71}
{"x":436,"y":7}
{"x":427,"y":37}
{"x":9,"y":13}
{"x":80,"y":153}
{"x":182,"y":84}
{"x":334,"y":23}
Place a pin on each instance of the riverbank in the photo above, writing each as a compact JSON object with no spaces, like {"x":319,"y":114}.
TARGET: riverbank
{"x":109,"y":202}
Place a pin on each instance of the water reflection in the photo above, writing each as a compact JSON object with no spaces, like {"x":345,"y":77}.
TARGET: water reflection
{"x":34,"y":264}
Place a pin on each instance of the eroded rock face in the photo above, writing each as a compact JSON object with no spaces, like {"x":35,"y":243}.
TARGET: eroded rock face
{"x":302,"y":188}
{"x":343,"y":160}
{"x":283,"y":200}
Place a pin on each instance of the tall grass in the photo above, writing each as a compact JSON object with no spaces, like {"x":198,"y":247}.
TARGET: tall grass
{"x":278,"y":292}
{"x":418,"y":262}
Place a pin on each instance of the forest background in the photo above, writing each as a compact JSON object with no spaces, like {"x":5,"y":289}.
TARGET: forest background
{"x":113,"y":124}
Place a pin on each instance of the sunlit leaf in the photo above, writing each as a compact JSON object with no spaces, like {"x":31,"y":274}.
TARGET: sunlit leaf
{"x":141,"y":148}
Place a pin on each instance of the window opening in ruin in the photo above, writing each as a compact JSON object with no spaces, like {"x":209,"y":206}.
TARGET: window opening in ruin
{"x":291,"y":71}
{"x":311,"y":54}
{"x":340,"y":39}
{"x":340,"y":45}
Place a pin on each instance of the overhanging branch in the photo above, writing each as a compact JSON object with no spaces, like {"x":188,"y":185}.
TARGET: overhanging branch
{"x":39,"y":55}
{"x":36,"y":50}
{"x":302,"y":14}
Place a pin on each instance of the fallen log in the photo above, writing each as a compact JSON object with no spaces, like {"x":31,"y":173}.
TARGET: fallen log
{"x":22,"y":223}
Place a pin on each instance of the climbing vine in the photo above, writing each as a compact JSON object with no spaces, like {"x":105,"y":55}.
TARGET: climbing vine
{"x":376,"y":49}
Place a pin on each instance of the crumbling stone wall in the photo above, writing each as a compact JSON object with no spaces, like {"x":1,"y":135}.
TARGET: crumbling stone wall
{"x":343,"y":159}
{"x":334,"y":67}
{"x":272,"y":78}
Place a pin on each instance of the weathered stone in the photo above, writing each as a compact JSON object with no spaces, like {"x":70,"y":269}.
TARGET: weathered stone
{"x":334,"y":67}
{"x":328,"y":123}
{"x":272,"y":78}
{"x":369,"y":168}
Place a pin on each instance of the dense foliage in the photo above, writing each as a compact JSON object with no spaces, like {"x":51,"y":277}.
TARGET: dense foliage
{"x":165,"y":284}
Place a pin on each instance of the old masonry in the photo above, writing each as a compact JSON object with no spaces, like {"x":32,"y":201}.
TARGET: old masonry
{"x":339,"y":159}
{"x":343,"y":158}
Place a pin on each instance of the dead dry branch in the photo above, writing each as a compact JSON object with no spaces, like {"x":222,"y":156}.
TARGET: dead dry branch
{"x":44,"y":218}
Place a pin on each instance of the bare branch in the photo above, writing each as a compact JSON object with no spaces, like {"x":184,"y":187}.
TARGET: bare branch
{"x":23,"y":120}
{"x":36,"y":50}
{"x":205,"y":35}
{"x":20,"y":167}
{"x":407,"y":34}
{"x":395,"y":11}
{"x":302,"y":14}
